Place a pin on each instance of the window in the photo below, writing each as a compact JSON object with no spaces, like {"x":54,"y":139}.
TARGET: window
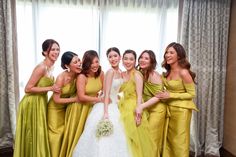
{"x":79,"y":28}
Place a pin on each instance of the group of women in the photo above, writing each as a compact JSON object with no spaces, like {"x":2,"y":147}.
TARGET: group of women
{"x":150,"y":112}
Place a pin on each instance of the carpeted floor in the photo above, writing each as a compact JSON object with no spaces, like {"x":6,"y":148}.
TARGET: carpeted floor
{"x":8,"y":152}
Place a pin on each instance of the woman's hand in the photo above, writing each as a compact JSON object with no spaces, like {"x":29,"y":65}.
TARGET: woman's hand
{"x":105,"y":115}
{"x":138,"y":114}
{"x":77,"y":98}
{"x":163,"y":95}
{"x":138,"y":119}
{"x":99,"y":99}
{"x":102,"y":99}
{"x":55,"y":88}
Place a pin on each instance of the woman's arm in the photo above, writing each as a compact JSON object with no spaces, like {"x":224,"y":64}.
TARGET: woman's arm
{"x":37,"y":73}
{"x":81,"y":84}
{"x":154,"y":78}
{"x":60,"y":81}
{"x":146,"y":104}
{"x":189,"y":87}
{"x":139,"y":87}
{"x":139,"y":91}
{"x":107,"y":88}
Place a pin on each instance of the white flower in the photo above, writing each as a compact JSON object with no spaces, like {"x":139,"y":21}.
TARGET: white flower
{"x":104,"y":128}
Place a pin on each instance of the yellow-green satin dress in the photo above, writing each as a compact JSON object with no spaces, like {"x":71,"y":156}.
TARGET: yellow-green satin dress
{"x":31,"y":130}
{"x":138,"y":137}
{"x":76,"y":115}
{"x":179,"y":110}
{"x":56,"y":119}
{"x":157,"y":116}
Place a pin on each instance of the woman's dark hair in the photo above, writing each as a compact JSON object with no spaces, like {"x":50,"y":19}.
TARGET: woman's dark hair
{"x":47,"y":45}
{"x":153,"y":63}
{"x":182,"y":59}
{"x":66,"y":58}
{"x":87,"y":62}
{"x":130,"y":51}
{"x":113,"y":49}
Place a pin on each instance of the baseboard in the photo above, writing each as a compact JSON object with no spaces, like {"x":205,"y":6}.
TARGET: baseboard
{"x":225,"y":153}
{"x":7,"y":150}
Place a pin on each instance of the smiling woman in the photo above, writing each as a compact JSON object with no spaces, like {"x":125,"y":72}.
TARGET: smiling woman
{"x":83,"y":25}
{"x":31,"y":129}
{"x":77,"y":33}
{"x":88,"y":84}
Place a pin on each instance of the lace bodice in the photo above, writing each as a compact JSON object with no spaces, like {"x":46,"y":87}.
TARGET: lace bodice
{"x":115,"y":87}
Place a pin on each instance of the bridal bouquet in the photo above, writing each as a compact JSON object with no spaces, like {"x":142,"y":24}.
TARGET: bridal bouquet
{"x":104,"y":128}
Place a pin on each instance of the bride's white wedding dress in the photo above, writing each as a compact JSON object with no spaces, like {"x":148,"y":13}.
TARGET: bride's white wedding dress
{"x":114,"y":145}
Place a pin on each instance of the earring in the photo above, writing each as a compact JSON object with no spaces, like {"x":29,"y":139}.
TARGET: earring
{"x":68,"y":69}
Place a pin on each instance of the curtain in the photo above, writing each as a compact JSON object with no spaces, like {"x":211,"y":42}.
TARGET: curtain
{"x":8,"y":73}
{"x":204,"y":34}
{"x":79,"y":25}
{"x":138,"y":25}
{"x":75,"y":27}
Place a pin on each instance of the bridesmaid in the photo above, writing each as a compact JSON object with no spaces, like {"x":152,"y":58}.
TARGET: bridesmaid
{"x":139,"y":139}
{"x":179,"y":94}
{"x":115,"y":144}
{"x":31,"y":131}
{"x":152,"y":86}
{"x":89,"y":83}
{"x":58,"y":102}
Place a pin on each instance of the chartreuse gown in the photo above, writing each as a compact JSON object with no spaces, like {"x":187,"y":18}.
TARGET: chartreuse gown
{"x":31,"y":130}
{"x":157,"y":116}
{"x":56,"y":119}
{"x":138,"y":137}
{"x":75,"y":118}
{"x":179,"y":110}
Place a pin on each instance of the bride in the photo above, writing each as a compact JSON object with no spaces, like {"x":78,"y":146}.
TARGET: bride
{"x":114,"y":145}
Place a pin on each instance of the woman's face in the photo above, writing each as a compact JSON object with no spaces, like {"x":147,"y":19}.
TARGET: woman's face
{"x":144,"y":61}
{"x":54,"y":52}
{"x":129,"y":61}
{"x":95,"y":65}
{"x":171,"y":56}
{"x":75,"y":64}
{"x":114,"y":59}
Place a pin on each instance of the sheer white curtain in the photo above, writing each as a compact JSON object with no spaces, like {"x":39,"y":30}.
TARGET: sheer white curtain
{"x":138,"y":25}
{"x":79,"y":25}
{"x":75,"y":27}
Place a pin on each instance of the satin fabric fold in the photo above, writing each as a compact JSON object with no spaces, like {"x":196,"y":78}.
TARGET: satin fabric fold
{"x":76,"y":116}
{"x":157,"y":116}
{"x":138,"y":137}
{"x":31,"y":131}
{"x":56,"y":119}
{"x":179,"y":112}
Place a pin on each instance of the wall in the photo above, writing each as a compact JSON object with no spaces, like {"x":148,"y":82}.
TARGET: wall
{"x":229,"y":142}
